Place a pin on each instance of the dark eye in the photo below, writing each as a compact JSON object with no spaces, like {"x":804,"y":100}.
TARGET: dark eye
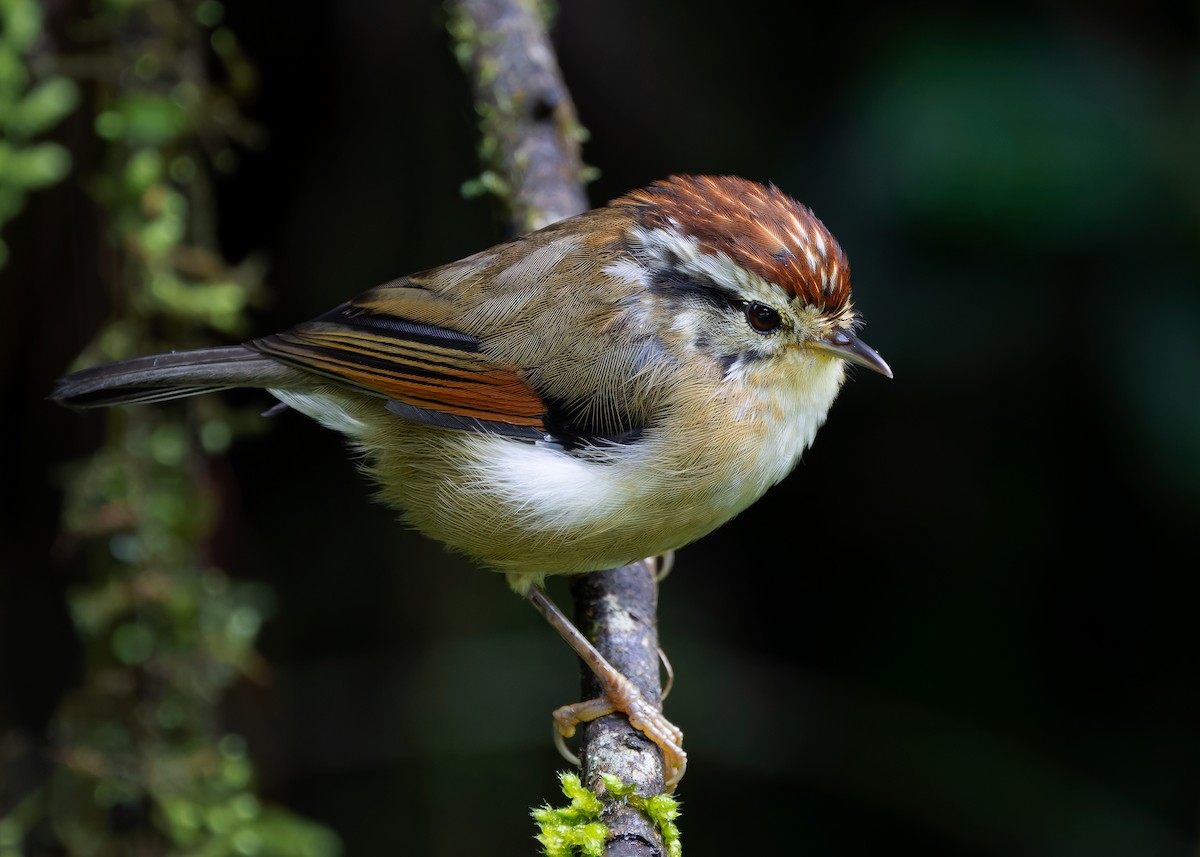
{"x":762,"y":318}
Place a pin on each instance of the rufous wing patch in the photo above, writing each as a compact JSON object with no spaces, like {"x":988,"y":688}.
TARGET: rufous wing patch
{"x":419,"y":364}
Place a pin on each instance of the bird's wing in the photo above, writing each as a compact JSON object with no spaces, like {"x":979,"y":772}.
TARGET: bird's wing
{"x":430,"y":373}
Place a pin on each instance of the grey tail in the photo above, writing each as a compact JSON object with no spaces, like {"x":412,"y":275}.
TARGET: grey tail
{"x":160,"y":377}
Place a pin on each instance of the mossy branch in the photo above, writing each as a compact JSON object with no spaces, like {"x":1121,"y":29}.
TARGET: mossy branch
{"x":530,"y":135}
{"x":530,"y":148}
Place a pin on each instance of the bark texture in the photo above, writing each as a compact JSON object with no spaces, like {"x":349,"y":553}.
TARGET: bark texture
{"x":531,"y":135}
{"x":532,"y":160}
{"x":617,"y":610}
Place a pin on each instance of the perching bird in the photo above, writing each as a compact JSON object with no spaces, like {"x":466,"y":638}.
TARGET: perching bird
{"x":611,"y":387}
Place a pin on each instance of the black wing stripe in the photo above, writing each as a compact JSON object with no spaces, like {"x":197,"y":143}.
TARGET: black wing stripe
{"x":356,"y":318}
{"x":425,"y":416}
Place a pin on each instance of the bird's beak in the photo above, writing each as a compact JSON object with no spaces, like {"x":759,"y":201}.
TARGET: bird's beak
{"x":845,"y":345}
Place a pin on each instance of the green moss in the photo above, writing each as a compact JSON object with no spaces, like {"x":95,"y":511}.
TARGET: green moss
{"x":575,"y":829}
{"x":579,"y":829}
{"x":663,"y":810}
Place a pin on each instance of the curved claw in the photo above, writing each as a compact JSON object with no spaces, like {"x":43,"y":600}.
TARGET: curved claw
{"x":666,"y":562}
{"x":565,"y":751}
{"x":670,"y":683}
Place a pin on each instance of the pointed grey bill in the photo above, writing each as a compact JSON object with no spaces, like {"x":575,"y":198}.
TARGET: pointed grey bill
{"x":844,"y":344}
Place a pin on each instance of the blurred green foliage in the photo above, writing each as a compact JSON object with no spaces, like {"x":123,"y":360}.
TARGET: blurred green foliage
{"x":142,"y":762}
{"x":28,"y":109}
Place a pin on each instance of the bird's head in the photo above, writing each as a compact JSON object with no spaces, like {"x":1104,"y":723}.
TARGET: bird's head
{"x":748,"y":272}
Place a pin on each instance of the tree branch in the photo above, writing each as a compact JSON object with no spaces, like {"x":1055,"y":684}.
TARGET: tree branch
{"x":617,"y":610}
{"x":531,"y":134}
{"x":531,"y":145}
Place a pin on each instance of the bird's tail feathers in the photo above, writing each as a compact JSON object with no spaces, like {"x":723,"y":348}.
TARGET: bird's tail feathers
{"x":161,"y":377}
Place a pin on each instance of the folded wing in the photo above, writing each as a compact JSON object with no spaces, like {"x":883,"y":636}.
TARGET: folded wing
{"x":428,"y":373}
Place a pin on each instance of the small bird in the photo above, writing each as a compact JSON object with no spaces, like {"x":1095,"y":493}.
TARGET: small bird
{"x":611,"y":387}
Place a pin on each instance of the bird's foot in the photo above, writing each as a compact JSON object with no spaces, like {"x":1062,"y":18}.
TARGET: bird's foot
{"x":622,"y":697}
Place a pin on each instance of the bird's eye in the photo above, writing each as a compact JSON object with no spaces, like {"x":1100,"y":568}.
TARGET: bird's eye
{"x":762,"y":318}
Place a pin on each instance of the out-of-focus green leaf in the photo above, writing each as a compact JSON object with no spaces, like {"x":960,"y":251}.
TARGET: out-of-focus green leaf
{"x":11,"y":200}
{"x":34,"y":166}
{"x":20,"y":23}
{"x":13,"y":76}
{"x":42,"y":108}
{"x":217,"y":304}
{"x":150,"y":119}
{"x":210,"y":13}
{"x":143,"y":169}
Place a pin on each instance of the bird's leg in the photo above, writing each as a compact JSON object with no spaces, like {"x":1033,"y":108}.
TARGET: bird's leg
{"x":617,"y":694}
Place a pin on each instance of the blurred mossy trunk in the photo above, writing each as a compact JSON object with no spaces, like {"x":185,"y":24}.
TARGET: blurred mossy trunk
{"x":135,"y":760}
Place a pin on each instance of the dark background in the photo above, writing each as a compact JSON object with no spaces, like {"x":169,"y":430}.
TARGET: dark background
{"x":965,"y":626}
